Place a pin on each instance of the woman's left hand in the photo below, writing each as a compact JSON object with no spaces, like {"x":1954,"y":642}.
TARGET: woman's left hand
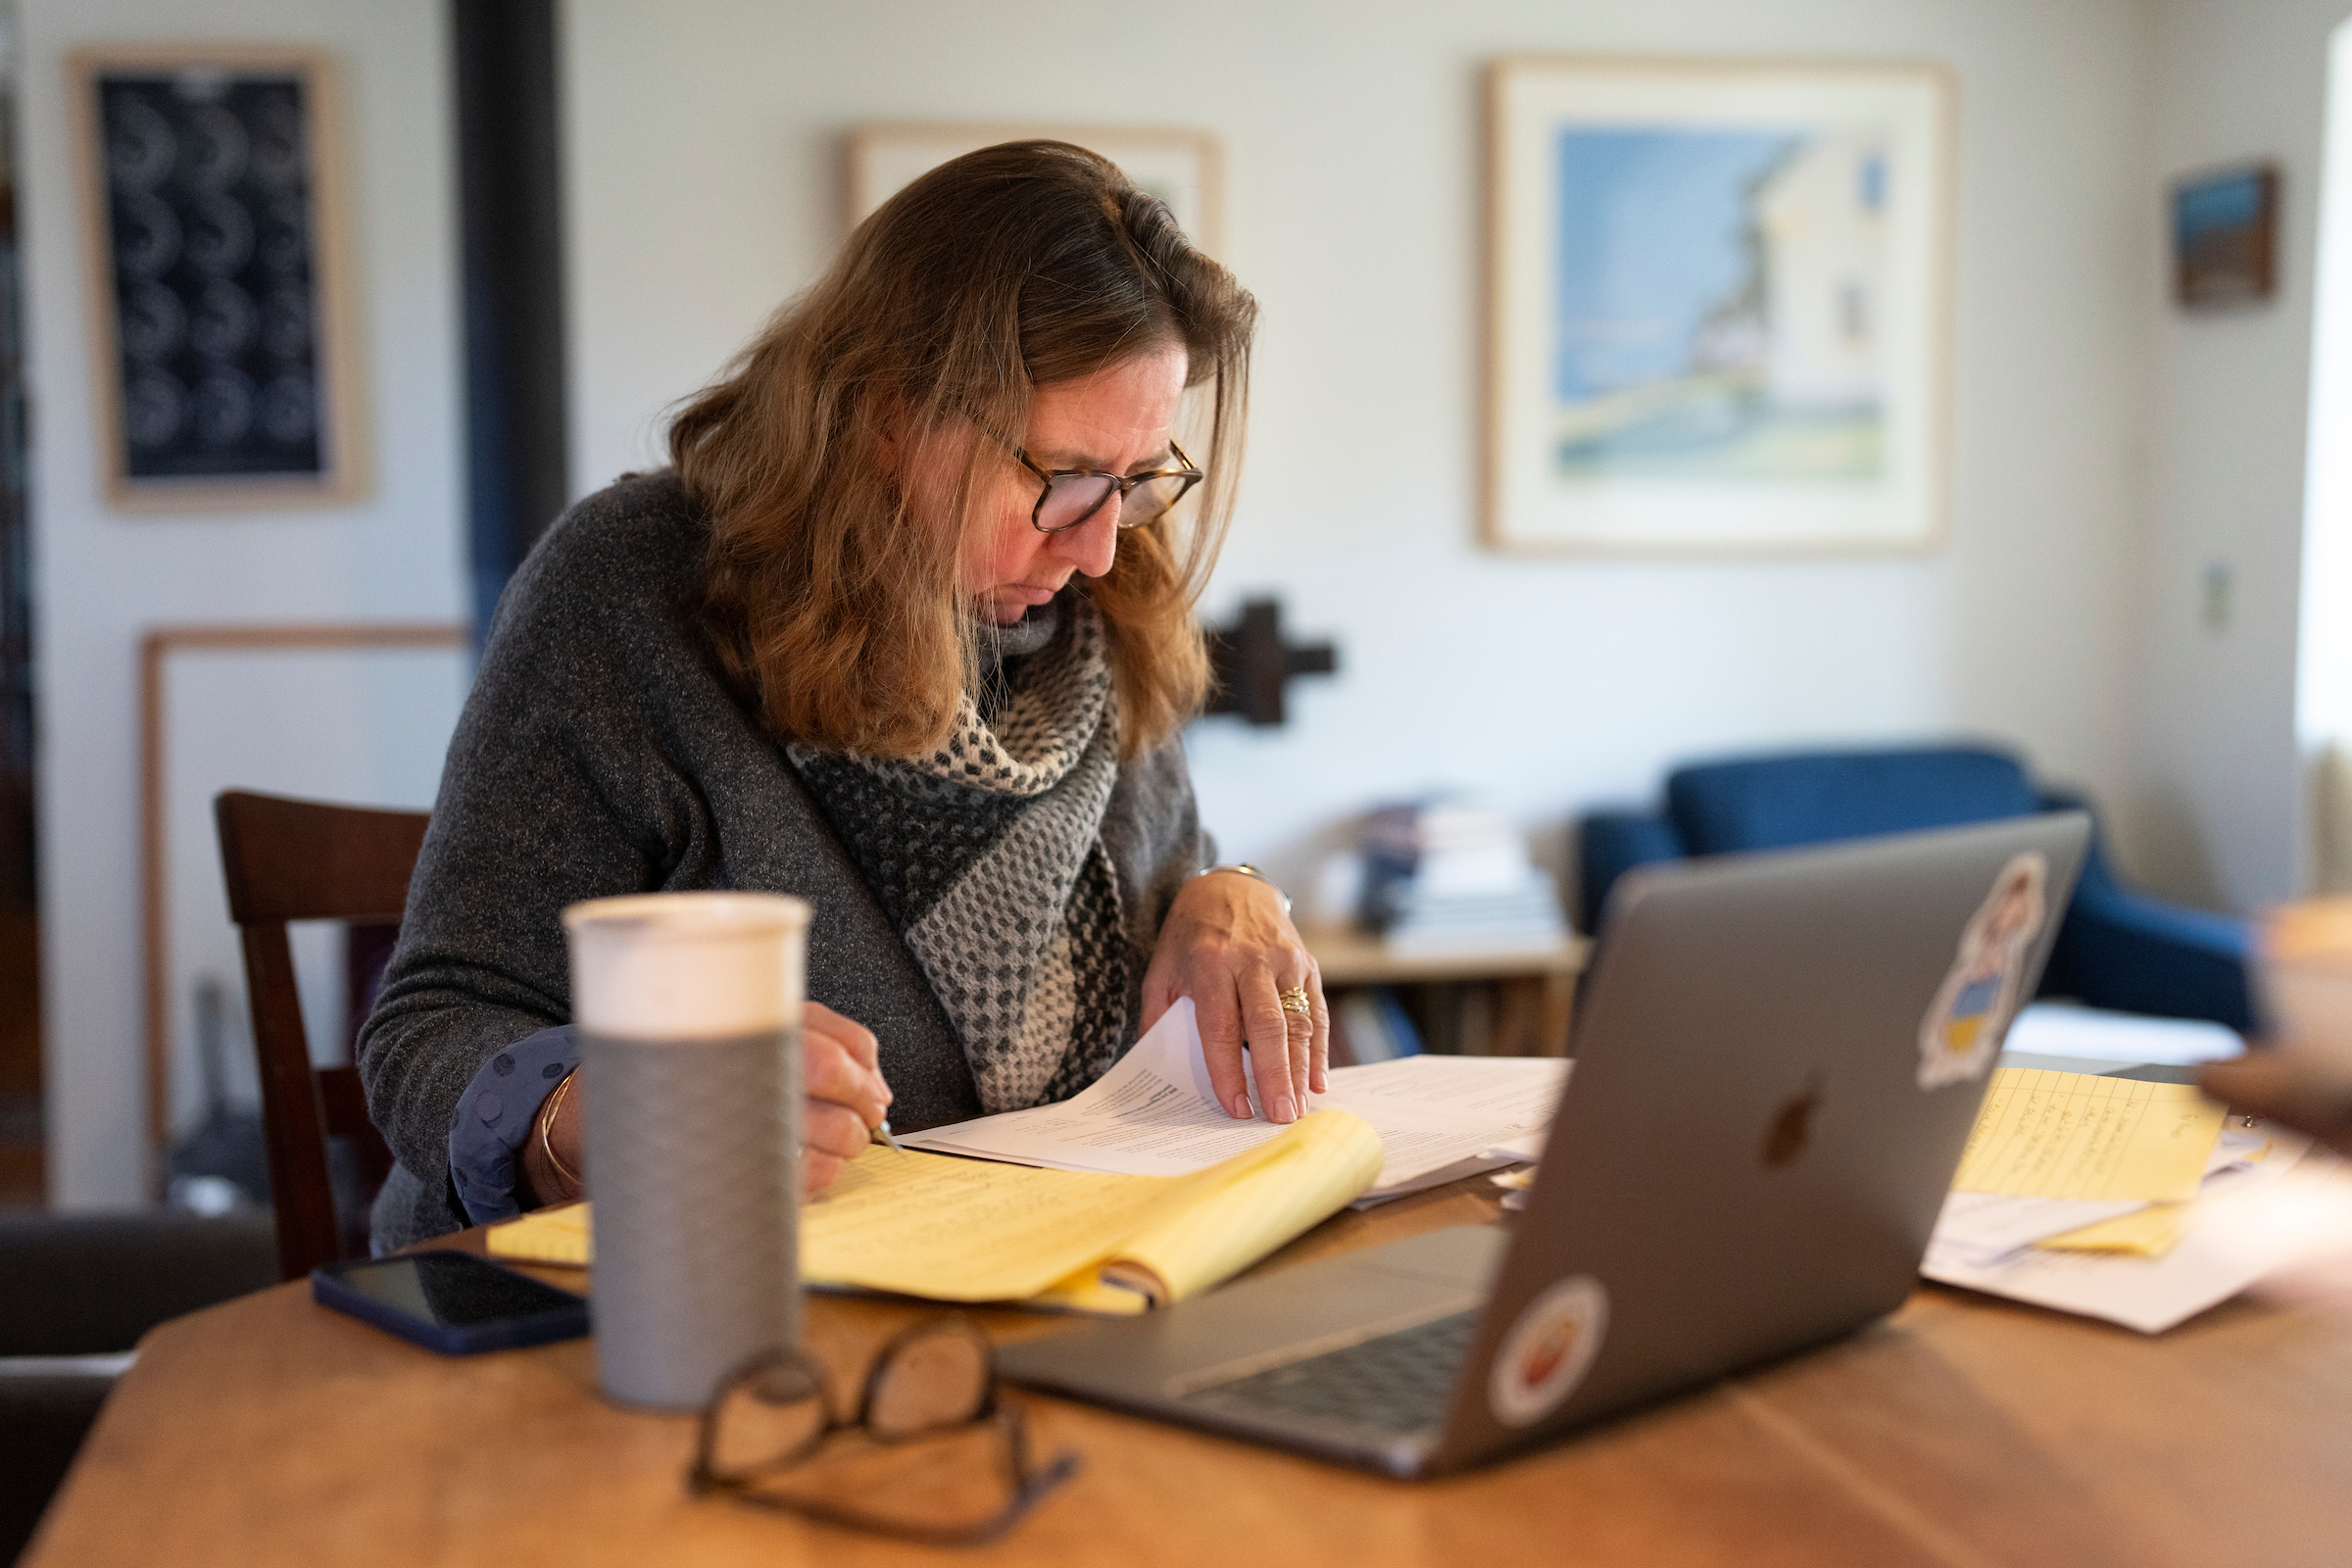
{"x":1228,"y":945}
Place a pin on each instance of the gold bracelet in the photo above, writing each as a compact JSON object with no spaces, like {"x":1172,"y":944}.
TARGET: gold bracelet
{"x":554,"y":1103}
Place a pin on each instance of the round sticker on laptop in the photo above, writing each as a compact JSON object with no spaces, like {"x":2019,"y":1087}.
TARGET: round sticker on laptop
{"x":1547,"y":1352}
{"x":1963,"y":1029}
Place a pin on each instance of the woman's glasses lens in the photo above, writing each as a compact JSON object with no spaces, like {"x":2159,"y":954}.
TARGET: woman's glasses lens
{"x":766,"y":1419}
{"x":1071,"y":499}
{"x":1152,"y":498}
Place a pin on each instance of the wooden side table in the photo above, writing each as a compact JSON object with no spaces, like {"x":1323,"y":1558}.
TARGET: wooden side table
{"x":1535,"y":987}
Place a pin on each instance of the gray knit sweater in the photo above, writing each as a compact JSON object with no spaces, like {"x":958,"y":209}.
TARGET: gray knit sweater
{"x":601,"y":754}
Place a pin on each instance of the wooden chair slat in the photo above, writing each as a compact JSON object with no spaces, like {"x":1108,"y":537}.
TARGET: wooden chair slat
{"x":311,"y":860}
{"x":345,"y":1103}
{"x":287,"y":860}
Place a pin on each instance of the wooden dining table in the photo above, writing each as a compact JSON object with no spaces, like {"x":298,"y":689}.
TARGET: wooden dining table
{"x":1961,"y":1432}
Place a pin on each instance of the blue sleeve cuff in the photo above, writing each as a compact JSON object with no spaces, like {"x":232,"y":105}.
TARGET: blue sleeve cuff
{"x":495,"y":1114}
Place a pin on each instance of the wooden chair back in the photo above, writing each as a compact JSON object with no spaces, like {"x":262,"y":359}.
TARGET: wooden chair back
{"x":288,"y":859}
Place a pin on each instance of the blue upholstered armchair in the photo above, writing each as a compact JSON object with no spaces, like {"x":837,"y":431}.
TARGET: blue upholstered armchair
{"x":2117,"y":949}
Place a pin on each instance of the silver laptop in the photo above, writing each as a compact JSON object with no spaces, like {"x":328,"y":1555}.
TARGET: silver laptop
{"x":1779,"y":1058}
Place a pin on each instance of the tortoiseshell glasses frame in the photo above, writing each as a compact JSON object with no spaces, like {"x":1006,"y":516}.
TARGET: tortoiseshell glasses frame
{"x":1085,"y":491}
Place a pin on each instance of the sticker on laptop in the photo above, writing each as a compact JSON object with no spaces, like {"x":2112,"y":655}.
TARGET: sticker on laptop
{"x":1547,"y":1352}
{"x":1962,"y":1032}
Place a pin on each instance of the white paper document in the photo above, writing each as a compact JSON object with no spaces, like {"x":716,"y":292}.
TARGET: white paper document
{"x":1512,"y":1097}
{"x":1517,"y":1092}
{"x":1976,"y":1230}
{"x":2058,"y":1029}
{"x":2248,"y":1218}
{"x":1156,"y":1114}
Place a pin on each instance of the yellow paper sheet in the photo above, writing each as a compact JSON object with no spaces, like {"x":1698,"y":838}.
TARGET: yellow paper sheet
{"x":967,"y":1230}
{"x":556,"y":1236}
{"x":2150,"y":1232}
{"x":2073,"y":1135}
{"x":963,"y":1230}
{"x":1255,"y":1202}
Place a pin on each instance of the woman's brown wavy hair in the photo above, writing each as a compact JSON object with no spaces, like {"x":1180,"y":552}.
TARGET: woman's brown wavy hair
{"x":1017,"y":267}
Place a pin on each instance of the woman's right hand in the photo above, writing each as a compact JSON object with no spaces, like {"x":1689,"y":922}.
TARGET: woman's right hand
{"x":846,"y":1099}
{"x":841,"y":1073}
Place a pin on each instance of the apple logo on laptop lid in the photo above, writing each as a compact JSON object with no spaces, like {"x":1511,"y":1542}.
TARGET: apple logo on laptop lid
{"x":1792,"y":1125}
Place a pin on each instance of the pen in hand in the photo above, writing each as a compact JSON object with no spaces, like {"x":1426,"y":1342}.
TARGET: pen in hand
{"x":880,"y":1132}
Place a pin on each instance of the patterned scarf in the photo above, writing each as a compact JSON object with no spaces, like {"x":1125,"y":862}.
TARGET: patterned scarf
{"x":987,"y":859}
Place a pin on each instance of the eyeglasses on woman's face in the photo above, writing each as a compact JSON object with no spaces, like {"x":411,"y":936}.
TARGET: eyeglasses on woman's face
{"x":1070,"y":495}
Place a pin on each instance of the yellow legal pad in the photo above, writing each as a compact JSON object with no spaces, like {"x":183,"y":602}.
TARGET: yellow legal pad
{"x":967,"y":1230}
{"x":2073,"y":1135}
{"x":2150,"y":1232}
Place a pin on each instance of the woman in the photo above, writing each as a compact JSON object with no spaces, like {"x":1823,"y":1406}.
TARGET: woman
{"x":906,"y":630}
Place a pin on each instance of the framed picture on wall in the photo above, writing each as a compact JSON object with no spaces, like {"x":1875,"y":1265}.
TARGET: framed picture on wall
{"x":2226,"y":236}
{"x":221,"y":342}
{"x":1186,"y":169}
{"x":1718,"y":305}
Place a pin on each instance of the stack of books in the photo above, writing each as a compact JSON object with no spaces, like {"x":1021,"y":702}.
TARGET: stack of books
{"x":1444,"y":877}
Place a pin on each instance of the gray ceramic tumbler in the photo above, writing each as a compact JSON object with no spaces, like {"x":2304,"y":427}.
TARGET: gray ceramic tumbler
{"x":689,"y":1011}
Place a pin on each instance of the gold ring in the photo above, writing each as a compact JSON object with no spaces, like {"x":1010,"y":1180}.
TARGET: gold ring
{"x":1295,"y":1000}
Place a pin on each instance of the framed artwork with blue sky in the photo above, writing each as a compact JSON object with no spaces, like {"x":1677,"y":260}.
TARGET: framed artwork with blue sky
{"x":1717,"y":306}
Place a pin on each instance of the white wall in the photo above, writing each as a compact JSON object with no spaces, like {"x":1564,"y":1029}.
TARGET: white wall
{"x":2324,"y":695}
{"x":324,"y":725}
{"x":703,"y":148}
{"x":101,"y":577}
{"x":2215,"y":754}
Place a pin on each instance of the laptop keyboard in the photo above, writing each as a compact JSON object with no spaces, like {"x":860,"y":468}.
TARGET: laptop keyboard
{"x":1399,"y":1382}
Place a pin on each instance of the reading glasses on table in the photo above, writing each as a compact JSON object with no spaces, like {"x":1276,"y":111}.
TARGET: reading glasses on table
{"x":934,"y":1379}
